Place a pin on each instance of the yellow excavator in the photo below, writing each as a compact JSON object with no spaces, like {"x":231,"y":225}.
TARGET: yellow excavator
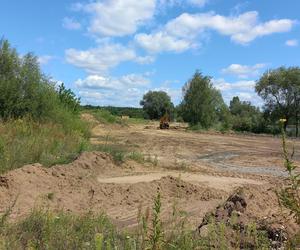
{"x":164,"y":122}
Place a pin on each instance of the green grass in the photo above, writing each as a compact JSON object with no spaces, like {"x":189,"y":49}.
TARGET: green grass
{"x":24,"y":141}
{"x":137,"y":121}
{"x":46,"y":230}
{"x":118,"y":152}
{"x":104,"y":116}
{"x":136,"y":156}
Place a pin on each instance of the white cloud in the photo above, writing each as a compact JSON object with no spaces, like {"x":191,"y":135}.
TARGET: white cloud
{"x":292,"y":43}
{"x":160,"y":41}
{"x":113,"y":83}
{"x":100,"y":59}
{"x":118,"y":17}
{"x":244,"y":71}
{"x":243,"y":89}
{"x":43,"y":60}
{"x":182,"y":32}
{"x":174,"y":93}
{"x":223,"y":85}
{"x":70,"y":24}
{"x":198,"y":3}
{"x":126,"y":90}
{"x":243,"y":28}
{"x":127,"y":98}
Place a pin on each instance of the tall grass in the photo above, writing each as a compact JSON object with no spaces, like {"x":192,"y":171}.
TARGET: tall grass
{"x":47,"y":230}
{"x":25,"y":141}
{"x":104,"y":116}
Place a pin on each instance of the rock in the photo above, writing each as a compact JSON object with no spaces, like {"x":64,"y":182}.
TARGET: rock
{"x":4,"y":182}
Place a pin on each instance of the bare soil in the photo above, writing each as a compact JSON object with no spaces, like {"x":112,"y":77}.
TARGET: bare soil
{"x":195,"y":172}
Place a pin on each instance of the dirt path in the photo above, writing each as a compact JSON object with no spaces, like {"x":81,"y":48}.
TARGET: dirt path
{"x":221,"y":182}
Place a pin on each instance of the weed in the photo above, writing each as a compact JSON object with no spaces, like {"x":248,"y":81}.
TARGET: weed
{"x":136,"y":156}
{"x":289,"y":196}
{"x":118,"y":152}
{"x":50,"y":196}
{"x":156,"y":236}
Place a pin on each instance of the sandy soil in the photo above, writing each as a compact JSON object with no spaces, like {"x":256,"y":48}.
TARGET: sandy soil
{"x":194,"y":172}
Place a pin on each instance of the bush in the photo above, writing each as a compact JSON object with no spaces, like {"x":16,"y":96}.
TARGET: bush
{"x":156,"y":104}
{"x":45,"y":230}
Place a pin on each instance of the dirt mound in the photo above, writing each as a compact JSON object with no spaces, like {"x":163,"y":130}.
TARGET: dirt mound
{"x":254,"y":204}
{"x":74,"y":187}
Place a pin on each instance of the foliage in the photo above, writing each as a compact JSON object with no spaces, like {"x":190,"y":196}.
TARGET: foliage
{"x":202,"y":102}
{"x":246,"y":117}
{"x":68,"y":98}
{"x":156,"y":104}
{"x":280,"y":89}
{"x":25,"y":91}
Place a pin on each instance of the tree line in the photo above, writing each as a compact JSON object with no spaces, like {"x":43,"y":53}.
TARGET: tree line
{"x":203,"y":106}
{"x":26,"y":91}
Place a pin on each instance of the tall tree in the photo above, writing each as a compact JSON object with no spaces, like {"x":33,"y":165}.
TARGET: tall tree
{"x":156,"y":104}
{"x":201,"y":102}
{"x":280,"y":89}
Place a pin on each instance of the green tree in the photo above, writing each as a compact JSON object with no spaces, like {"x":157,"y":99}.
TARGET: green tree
{"x":156,"y":104}
{"x":246,"y":117}
{"x":202,"y":102}
{"x":26,"y":91}
{"x":280,"y":89}
{"x":68,"y":98}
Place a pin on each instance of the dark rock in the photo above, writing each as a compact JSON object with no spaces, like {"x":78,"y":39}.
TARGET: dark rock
{"x":4,"y":182}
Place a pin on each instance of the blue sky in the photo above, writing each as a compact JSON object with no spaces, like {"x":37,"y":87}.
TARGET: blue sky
{"x":110,"y":52}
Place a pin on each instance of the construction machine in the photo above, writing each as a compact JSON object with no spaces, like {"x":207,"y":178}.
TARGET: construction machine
{"x":164,"y":122}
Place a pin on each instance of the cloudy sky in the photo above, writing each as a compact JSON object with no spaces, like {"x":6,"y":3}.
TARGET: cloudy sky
{"x":110,"y":52}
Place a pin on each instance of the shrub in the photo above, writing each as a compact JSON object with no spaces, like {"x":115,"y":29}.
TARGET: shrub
{"x":45,"y":230}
